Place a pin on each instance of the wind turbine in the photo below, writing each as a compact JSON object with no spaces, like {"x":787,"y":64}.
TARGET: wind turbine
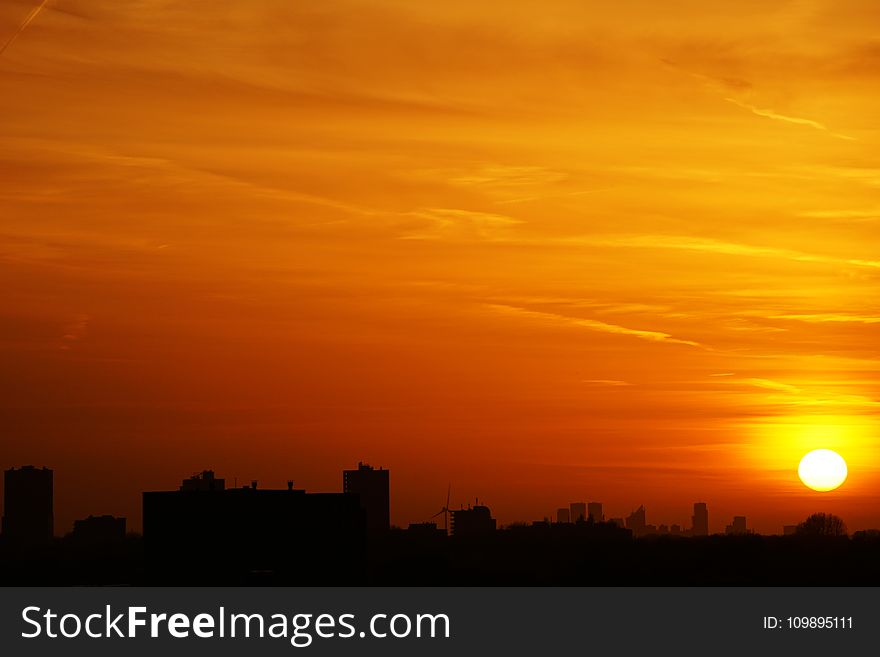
{"x":445,"y":511}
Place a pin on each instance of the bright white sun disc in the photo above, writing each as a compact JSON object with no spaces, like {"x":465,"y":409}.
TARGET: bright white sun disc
{"x":822,"y":470}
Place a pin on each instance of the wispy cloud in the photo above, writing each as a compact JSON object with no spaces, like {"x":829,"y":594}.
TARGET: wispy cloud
{"x":821,"y":318}
{"x":841,"y":214}
{"x":593,"y":325}
{"x":717,"y":246}
{"x":75,"y":330}
{"x":451,"y":223}
{"x":614,"y":383}
{"x":506,"y":176}
{"x":819,"y":394}
{"x":602,"y":307}
{"x":733,"y":85}
{"x":776,"y":116}
{"x":23,"y":26}
{"x":769,"y":384}
{"x":770,"y":114}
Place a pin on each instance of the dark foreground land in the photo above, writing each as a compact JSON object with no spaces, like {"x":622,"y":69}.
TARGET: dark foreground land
{"x":526,"y":556}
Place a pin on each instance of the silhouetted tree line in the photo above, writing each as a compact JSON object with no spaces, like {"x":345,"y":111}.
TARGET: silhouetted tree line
{"x":819,"y":553}
{"x":821,"y":524}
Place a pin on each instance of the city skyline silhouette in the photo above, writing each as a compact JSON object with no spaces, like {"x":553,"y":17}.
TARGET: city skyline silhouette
{"x":207,"y":533}
{"x":37,"y":486}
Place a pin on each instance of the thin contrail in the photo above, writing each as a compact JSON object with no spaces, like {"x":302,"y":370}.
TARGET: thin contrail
{"x":27,"y":21}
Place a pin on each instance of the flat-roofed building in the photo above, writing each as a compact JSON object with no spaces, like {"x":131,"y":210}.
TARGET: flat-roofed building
{"x":28,"y":505}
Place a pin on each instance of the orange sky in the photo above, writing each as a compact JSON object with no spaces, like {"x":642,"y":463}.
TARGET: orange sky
{"x":545,"y":251}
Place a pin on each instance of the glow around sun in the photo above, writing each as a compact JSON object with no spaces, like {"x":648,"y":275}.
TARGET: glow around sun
{"x":822,"y":470}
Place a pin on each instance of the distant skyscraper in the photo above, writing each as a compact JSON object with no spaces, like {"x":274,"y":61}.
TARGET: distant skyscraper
{"x":595,"y":512}
{"x":373,"y":488}
{"x":28,"y":516}
{"x":563,"y":515}
{"x":578,"y":511}
{"x":738,"y":526}
{"x":700,"y":519}
{"x":635,"y":521}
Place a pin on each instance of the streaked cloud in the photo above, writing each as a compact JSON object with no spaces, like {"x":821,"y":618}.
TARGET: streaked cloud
{"x":776,"y":116}
{"x":593,"y":325}
{"x":23,"y":26}
{"x":841,"y":214}
{"x":710,"y":245}
{"x":822,"y":318}
{"x":498,"y":175}
{"x":740,"y":88}
{"x":451,"y":223}
{"x":768,"y":384}
{"x":75,"y":330}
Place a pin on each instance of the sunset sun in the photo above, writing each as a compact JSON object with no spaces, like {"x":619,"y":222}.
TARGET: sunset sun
{"x":822,"y":470}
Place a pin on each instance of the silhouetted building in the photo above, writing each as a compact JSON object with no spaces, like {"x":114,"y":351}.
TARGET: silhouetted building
{"x":594,"y":510}
{"x":372,"y":487}
{"x":738,"y":526}
{"x":224,"y":535}
{"x":700,"y":520}
{"x":426,"y":529}
{"x":99,"y":529}
{"x":563,"y":515}
{"x":866,"y":534}
{"x":578,"y":511}
{"x":476,"y":521}
{"x":675,"y":530}
{"x":28,"y":517}
{"x":635,"y":522}
{"x":205,"y":480}
{"x":618,"y":522}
